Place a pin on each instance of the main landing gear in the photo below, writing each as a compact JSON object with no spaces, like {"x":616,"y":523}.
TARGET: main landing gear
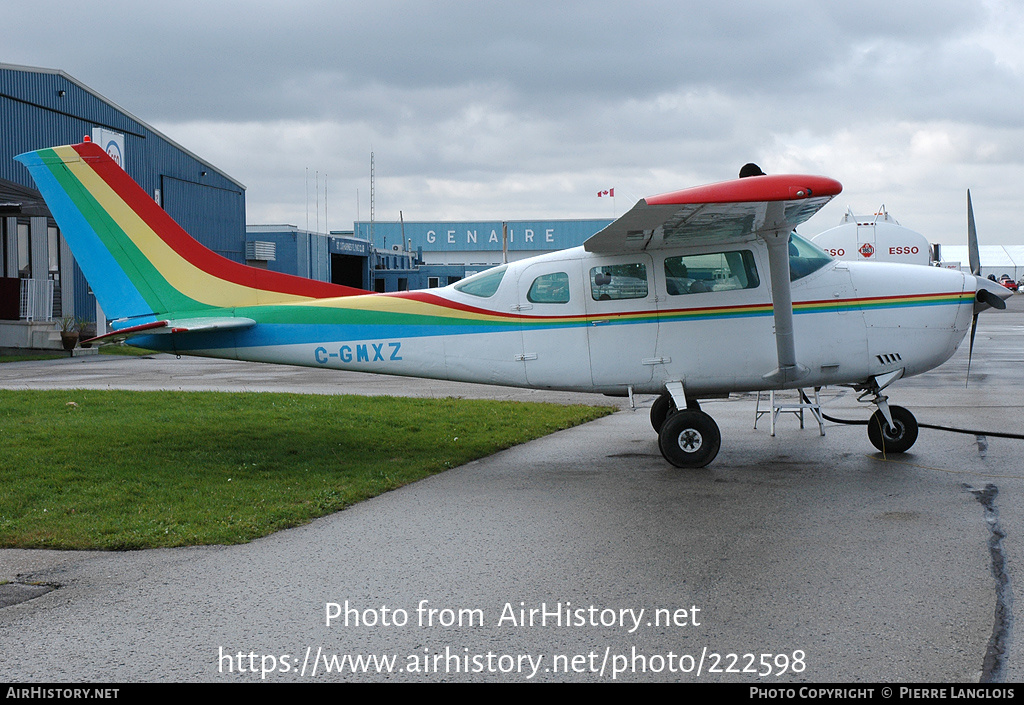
{"x":688,"y":438}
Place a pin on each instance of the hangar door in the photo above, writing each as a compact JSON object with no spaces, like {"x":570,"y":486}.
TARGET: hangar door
{"x":348,"y":270}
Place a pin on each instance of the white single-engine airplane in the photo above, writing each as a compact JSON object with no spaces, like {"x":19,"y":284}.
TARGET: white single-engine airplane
{"x":689,"y":295}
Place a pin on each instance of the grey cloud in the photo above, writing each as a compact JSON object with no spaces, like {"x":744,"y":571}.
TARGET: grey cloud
{"x":482,"y":95}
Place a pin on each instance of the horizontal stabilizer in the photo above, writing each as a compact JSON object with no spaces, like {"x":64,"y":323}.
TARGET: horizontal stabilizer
{"x":178,"y":325}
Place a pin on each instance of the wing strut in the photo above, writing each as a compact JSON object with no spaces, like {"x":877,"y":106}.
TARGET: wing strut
{"x":775,"y":233}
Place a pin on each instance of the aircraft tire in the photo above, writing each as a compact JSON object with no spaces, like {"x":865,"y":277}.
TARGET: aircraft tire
{"x":898,"y":440}
{"x":689,"y":439}
{"x":661,"y":409}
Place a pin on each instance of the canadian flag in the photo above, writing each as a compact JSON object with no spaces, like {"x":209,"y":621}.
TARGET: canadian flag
{"x":608,"y":192}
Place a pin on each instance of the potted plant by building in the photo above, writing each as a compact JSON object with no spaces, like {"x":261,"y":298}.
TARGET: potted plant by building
{"x":85,"y":331}
{"x":68,"y":332}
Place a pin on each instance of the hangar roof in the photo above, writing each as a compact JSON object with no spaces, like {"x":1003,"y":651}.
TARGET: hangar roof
{"x":115,"y":106}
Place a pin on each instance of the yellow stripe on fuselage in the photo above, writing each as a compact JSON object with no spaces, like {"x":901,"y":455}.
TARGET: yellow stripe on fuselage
{"x":399,"y":304}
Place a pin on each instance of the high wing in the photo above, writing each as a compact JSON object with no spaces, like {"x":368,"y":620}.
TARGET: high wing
{"x":730,"y":210}
{"x":768,"y":207}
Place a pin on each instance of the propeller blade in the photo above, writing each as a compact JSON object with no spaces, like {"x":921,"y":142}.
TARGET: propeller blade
{"x":989,"y":293}
{"x":970,"y":350}
{"x":972,"y":239}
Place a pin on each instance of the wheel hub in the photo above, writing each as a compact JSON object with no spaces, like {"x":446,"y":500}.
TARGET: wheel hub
{"x":894,"y":432}
{"x":690,"y":440}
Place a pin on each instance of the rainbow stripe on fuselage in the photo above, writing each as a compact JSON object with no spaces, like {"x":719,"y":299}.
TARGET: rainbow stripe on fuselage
{"x":421,"y":314}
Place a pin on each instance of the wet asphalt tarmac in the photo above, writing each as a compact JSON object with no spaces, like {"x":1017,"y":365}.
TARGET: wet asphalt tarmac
{"x":808,"y":558}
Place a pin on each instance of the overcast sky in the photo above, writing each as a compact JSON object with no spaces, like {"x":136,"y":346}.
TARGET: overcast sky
{"x":485,"y":110}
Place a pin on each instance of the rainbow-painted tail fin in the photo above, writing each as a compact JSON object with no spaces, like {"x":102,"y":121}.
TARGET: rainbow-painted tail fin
{"x":142,"y":265}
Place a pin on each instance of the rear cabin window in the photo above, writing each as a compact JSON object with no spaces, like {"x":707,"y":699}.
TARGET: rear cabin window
{"x":618,"y":281}
{"x":549,"y":289}
{"x":483,"y":284}
{"x":716,"y":271}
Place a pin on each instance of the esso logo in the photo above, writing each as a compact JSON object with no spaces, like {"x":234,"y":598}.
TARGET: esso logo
{"x":835,"y":251}
{"x":903,"y":250}
{"x":114,"y":152}
{"x":866,"y":249}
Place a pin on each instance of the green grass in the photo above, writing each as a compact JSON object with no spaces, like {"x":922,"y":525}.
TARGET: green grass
{"x":28,"y":357}
{"x":128,"y":350}
{"x":122,"y":349}
{"x":123,"y":470}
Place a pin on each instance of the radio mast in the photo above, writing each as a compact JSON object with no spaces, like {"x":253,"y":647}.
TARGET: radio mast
{"x":372,"y":204}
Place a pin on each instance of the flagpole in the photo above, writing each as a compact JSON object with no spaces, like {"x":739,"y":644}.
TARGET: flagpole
{"x":611,"y":194}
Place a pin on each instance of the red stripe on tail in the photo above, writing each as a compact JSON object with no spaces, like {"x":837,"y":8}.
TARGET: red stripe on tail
{"x":190,"y":249}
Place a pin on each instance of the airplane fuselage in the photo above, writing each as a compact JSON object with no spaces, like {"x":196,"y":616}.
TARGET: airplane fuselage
{"x":581,"y":321}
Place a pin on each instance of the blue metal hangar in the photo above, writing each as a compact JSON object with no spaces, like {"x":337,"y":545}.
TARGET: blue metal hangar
{"x":39,"y":280}
{"x":341,"y":258}
{"x":400,"y":256}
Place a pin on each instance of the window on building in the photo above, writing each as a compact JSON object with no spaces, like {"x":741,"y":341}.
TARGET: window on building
{"x":24,"y":252}
{"x":53,"y":253}
{"x":53,"y":269}
{"x":3,"y":247}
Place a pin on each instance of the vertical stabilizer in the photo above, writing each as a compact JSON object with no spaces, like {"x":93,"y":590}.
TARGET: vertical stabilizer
{"x":138,"y":261}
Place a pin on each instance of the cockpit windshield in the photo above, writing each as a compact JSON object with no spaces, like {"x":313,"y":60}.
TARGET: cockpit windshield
{"x":483,"y":284}
{"x":804,"y":257}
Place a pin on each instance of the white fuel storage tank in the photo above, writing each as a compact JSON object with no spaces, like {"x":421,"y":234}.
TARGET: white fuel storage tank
{"x":874,"y":238}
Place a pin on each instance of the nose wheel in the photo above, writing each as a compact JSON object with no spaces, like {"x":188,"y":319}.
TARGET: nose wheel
{"x":689,"y":439}
{"x":897,"y":437}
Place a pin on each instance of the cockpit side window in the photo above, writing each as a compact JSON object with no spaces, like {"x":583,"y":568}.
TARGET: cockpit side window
{"x":804,"y":257}
{"x":483,"y":284}
{"x":619,"y":281}
{"x":549,"y":289}
{"x":715,"y":271}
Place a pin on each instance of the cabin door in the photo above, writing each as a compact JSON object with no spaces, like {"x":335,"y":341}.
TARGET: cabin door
{"x":622,"y":319}
{"x":553,"y":326}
